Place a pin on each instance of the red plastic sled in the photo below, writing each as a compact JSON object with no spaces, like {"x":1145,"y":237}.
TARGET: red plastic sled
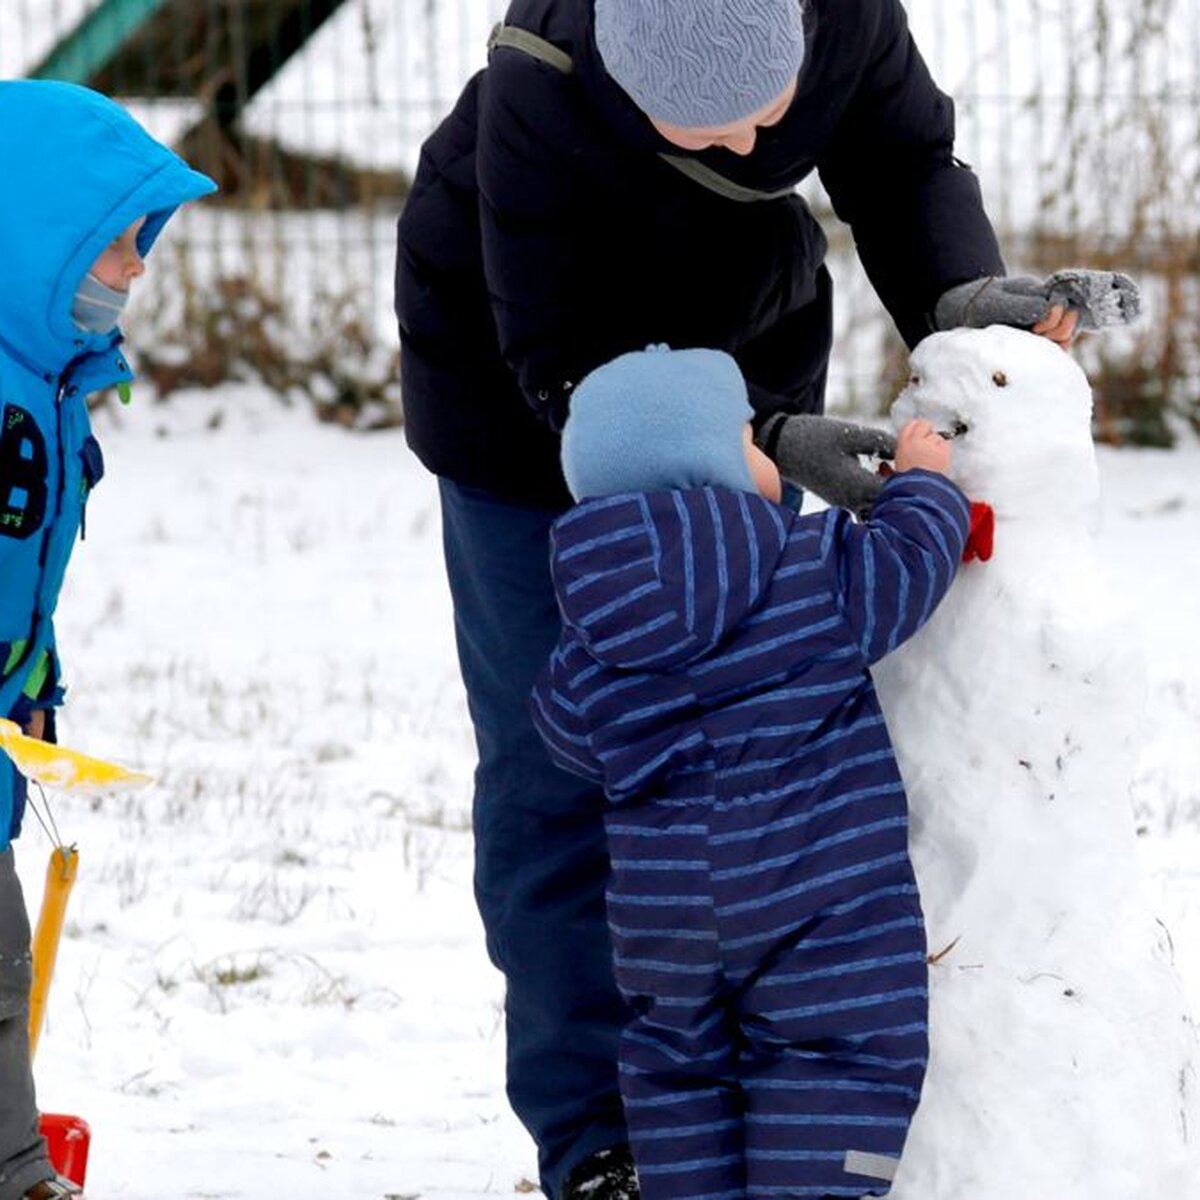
{"x":68,"y":1140}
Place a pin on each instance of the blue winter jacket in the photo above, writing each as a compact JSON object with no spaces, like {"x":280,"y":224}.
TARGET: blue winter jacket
{"x":77,"y":170}
{"x":710,"y":632}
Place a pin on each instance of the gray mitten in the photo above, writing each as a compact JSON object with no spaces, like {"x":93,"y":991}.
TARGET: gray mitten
{"x":821,"y":455}
{"x":1101,"y":298}
{"x":1019,"y":300}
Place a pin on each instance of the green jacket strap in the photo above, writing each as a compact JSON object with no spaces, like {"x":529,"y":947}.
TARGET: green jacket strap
{"x":716,"y":182}
{"x":512,"y":37}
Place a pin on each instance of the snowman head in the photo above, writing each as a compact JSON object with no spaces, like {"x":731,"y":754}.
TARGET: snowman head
{"x":1017,"y":411}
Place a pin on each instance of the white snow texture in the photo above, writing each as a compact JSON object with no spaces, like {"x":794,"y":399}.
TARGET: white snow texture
{"x":1063,"y":1059}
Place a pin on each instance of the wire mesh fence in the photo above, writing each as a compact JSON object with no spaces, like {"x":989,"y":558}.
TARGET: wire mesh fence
{"x":1079,"y":117}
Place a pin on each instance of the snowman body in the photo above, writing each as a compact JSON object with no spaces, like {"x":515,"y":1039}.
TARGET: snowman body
{"x":1063,"y":1059}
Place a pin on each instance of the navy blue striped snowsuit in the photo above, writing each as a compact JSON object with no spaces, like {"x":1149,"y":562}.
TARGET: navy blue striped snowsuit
{"x":768,"y":935}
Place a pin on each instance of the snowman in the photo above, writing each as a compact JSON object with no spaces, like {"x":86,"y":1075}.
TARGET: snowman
{"x":1063,"y":1059}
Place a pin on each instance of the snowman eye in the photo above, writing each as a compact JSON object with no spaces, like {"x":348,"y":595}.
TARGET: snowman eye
{"x":1000,"y":379}
{"x":914,"y":380}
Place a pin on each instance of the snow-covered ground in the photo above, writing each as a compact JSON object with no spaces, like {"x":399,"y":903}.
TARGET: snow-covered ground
{"x":273,"y":980}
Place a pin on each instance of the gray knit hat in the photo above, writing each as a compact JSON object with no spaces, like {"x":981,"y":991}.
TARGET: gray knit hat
{"x":699,"y":63}
{"x":658,"y":419}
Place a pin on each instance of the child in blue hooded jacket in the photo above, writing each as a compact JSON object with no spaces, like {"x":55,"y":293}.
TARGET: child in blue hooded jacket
{"x":86,"y":193}
{"x":712,"y":674}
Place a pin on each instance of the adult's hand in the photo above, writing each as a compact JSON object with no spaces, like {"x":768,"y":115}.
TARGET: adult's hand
{"x":1102,"y":299}
{"x":1059,"y":325}
{"x":1056,"y":307}
{"x":821,"y":454}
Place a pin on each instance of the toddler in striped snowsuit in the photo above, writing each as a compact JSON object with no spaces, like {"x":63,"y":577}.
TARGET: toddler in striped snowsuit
{"x":712,"y":673}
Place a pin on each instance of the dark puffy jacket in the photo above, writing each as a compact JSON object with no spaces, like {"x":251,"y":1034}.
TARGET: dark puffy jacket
{"x":712,"y":633}
{"x":545,"y":234}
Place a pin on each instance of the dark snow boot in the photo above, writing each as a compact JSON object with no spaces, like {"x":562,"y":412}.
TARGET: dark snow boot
{"x":53,"y":1189}
{"x":606,"y":1175}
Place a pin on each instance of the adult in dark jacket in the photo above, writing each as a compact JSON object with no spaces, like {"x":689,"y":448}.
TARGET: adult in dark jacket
{"x":712,"y":675}
{"x":621,"y":173}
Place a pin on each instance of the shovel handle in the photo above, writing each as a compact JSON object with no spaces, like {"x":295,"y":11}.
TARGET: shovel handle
{"x":60,"y":878}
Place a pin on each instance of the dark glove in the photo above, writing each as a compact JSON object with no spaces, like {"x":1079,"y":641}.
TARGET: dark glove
{"x":821,"y":455}
{"x":1101,"y":298}
{"x":1019,"y":300}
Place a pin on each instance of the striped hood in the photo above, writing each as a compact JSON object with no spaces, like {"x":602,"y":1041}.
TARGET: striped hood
{"x":655,"y":580}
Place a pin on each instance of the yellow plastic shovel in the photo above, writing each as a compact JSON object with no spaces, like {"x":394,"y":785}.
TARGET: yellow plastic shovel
{"x":67,"y":770}
{"x":64,"y":769}
{"x":60,"y":879}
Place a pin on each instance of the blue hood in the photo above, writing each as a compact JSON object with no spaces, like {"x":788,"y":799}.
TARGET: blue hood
{"x":77,"y":170}
{"x":654,"y":580}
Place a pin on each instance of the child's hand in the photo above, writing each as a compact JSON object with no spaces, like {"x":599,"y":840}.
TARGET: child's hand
{"x":918,"y":444}
{"x":37,"y":725}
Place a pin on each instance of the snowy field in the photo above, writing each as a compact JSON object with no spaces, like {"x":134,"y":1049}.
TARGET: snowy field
{"x":273,"y":981}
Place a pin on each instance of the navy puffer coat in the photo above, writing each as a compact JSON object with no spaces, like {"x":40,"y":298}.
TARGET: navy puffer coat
{"x":545,"y":234}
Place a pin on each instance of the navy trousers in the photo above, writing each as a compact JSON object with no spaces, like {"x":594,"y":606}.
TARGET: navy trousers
{"x":541,"y":859}
{"x":773,"y":958}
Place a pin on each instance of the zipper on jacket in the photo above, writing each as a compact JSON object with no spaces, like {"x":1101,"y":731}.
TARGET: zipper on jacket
{"x":63,"y":388}
{"x":91,"y":471}
{"x":51,"y":517}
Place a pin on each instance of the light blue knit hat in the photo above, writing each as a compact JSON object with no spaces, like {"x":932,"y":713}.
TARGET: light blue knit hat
{"x":657,"y":419}
{"x":699,"y":63}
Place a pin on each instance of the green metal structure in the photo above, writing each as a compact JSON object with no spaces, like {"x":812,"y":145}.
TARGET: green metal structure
{"x":220,"y":53}
{"x":97,"y":40}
